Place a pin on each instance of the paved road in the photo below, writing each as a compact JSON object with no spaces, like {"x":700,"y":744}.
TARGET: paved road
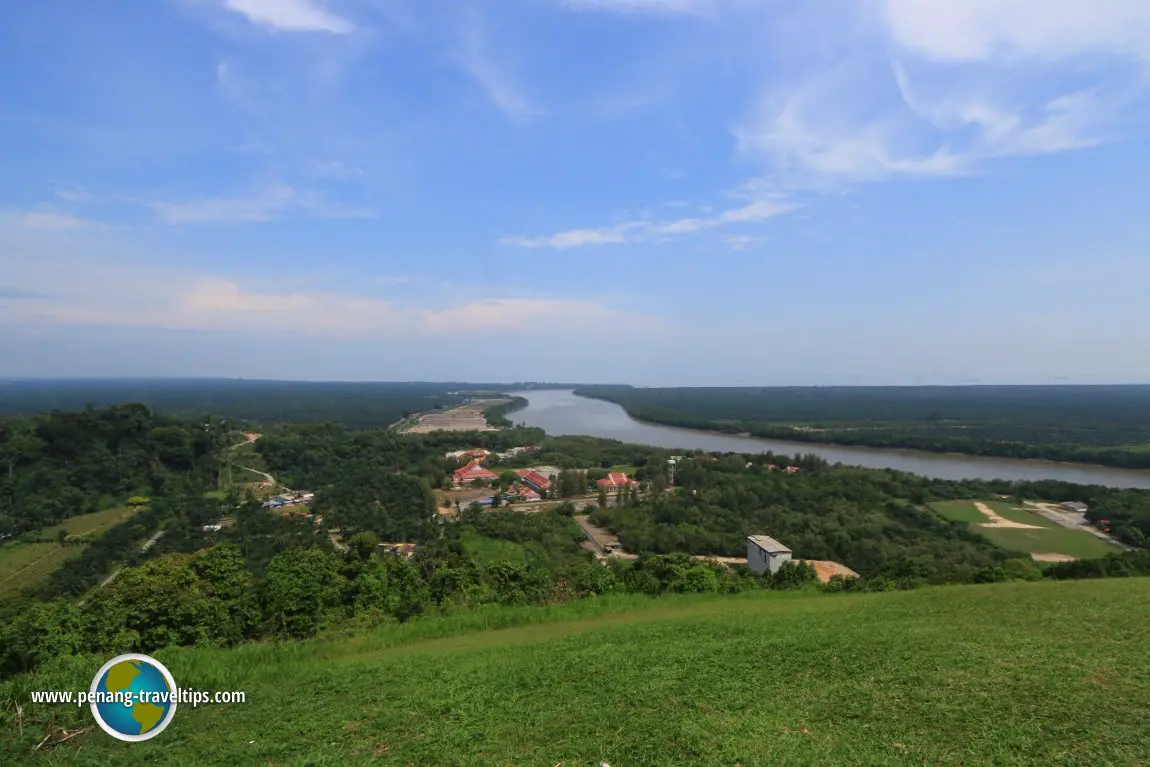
{"x":266,"y":476}
{"x":1052,"y":513}
{"x":247,"y":441}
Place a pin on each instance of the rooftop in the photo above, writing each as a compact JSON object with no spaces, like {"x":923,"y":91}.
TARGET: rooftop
{"x":768,"y":544}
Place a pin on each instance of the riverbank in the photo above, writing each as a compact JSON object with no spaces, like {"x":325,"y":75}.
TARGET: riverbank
{"x":562,"y":412}
{"x":1132,"y":458}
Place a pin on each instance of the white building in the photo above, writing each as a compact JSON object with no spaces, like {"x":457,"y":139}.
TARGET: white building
{"x":766,"y":554}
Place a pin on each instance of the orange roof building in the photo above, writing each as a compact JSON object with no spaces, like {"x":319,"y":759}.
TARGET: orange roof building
{"x":534,"y":478}
{"x":617,"y":479}
{"x":472,"y":472}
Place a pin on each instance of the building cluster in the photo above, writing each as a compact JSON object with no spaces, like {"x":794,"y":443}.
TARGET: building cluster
{"x":280,"y":501}
{"x":473,"y":471}
{"x":617,"y":480}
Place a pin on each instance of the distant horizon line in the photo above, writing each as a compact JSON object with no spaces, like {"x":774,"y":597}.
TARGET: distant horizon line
{"x":547,"y":384}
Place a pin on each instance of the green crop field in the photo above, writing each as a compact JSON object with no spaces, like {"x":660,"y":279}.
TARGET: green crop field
{"x":1049,"y":537}
{"x":24,"y":565}
{"x":1048,"y":673}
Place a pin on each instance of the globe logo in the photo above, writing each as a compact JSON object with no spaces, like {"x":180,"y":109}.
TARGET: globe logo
{"x":133,"y":697}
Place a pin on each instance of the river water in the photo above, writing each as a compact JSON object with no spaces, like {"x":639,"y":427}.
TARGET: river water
{"x":562,"y":413}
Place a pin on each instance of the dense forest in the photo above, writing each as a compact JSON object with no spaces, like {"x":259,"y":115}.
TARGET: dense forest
{"x":1107,"y":425}
{"x":360,"y":405}
{"x":57,"y":465}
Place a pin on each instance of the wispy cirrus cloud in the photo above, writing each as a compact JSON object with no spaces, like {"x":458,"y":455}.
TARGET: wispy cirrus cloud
{"x":937,"y":88}
{"x":71,"y":193}
{"x":291,"y":15}
{"x":42,"y":219}
{"x":268,"y":204}
{"x":640,"y":230}
{"x":980,"y":30}
{"x":494,"y":78}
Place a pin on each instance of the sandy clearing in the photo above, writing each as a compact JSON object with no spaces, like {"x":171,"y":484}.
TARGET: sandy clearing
{"x":826,"y":569}
{"x":1053,"y":558}
{"x":1000,"y":522}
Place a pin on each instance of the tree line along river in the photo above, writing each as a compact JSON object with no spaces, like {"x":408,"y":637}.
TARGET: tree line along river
{"x":561,"y":412}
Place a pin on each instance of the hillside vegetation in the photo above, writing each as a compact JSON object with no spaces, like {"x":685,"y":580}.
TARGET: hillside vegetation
{"x":1107,"y":425}
{"x":1005,"y":674}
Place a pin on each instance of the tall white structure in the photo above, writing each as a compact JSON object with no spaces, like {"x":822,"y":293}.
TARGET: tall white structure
{"x":670,"y":471}
{"x":765,"y":554}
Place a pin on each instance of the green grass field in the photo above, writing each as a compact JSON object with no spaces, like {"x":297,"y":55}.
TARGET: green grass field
{"x":486,"y":550}
{"x":24,"y":565}
{"x":1049,"y":673}
{"x":1049,"y":538}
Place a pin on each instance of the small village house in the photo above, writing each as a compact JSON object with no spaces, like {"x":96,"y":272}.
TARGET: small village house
{"x":765,"y":554}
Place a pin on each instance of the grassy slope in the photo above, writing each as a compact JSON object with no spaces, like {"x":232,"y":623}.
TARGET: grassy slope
{"x":1051,"y":538}
{"x":487,"y":550}
{"x":1017,"y":674}
{"x":23,"y":565}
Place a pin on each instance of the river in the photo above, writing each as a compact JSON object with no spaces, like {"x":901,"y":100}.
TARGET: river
{"x":563,"y":413}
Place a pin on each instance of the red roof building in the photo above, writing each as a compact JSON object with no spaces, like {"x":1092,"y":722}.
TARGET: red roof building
{"x":472,"y":472}
{"x":616,"y":480}
{"x":523,"y":493}
{"x":534,"y":478}
{"x":792,"y":470}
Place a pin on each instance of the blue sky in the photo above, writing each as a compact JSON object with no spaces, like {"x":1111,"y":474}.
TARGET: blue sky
{"x":656,"y":192}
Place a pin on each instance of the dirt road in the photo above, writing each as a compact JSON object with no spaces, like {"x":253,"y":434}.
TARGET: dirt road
{"x":599,"y":539}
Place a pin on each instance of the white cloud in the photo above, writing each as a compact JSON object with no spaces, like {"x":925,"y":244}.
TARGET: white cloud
{"x":71,"y":193}
{"x":977,"y":30}
{"x":632,"y":231}
{"x":269,"y":204}
{"x":741,"y":241}
{"x":576,"y":238}
{"x":183,"y":302}
{"x":971,"y":82}
{"x":291,"y":15}
{"x":498,"y":83}
{"x":29,"y":219}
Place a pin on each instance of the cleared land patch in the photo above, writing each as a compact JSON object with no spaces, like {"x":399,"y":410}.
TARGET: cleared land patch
{"x":463,"y":418}
{"x":996,"y":674}
{"x":1022,"y":530}
{"x":24,"y":565}
{"x":997,"y":521}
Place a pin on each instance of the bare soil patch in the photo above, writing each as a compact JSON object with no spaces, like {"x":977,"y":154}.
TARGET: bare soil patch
{"x":998,"y":521}
{"x":825,"y":569}
{"x":1053,"y":558}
